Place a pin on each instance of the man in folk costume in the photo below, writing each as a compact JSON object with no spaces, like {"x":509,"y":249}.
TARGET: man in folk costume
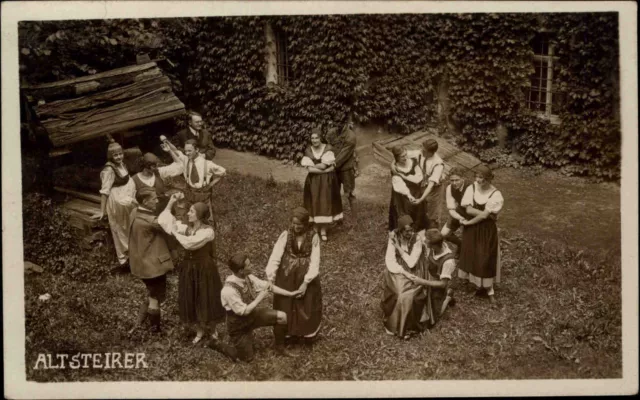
{"x":441,"y":265}
{"x":432,"y":167}
{"x":241,"y":294}
{"x":149,"y":257}
{"x":196,"y":131}
{"x":346,"y":162}
{"x":200,"y":174}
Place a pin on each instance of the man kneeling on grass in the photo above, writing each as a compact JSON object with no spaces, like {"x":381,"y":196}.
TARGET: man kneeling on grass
{"x":241,"y":294}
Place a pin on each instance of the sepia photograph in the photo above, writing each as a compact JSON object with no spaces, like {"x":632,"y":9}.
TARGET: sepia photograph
{"x":312,"y":199}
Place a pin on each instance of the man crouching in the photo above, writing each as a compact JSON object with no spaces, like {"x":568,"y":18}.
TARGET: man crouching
{"x":241,"y":294}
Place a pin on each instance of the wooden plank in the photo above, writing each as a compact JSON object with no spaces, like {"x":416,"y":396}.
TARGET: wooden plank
{"x":91,"y":84}
{"x":167,"y":107}
{"x":81,"y":195}
{"x":82,"y":206}
{"x":143,"y":101}
{"x":87,"y":78}
{"x":98,"y":99}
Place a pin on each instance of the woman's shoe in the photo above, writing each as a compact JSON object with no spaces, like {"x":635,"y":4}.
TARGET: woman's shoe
{"x":324,"y":237}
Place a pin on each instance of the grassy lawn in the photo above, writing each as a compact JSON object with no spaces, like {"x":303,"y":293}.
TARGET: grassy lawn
{"x":558,"y":313}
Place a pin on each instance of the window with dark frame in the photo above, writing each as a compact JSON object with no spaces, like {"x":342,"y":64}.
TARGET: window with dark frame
{"x":543,"y":94}
{"x":283,"y":59}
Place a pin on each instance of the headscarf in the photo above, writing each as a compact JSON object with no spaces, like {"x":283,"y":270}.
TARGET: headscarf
{"x":150,"y":159}
{"x":202,"y":211}
{"x":143,"y":193}
{"x":433,"y":236}
{"x":484,"y":171}
{"x":113,"y":148}
{"x":404,"y":221}
{"x":301,"y":214}
{"x":430,"y":145}
{"x":236,"y":262}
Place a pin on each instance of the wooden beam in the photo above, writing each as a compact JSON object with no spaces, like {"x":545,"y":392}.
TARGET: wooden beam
{"x":123,"y":93}
{"x":81,"y":195}
{"x":92,"y":83}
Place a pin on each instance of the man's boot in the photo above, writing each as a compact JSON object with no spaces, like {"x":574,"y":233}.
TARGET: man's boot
{"x":279,"y":333}
{"x":224,"y":348}
{"x":142,"y":315}
{"x":154,"y":317}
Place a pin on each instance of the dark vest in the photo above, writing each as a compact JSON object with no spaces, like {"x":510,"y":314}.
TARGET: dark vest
{"x":435,"y":266}
{"x":120,"y":180}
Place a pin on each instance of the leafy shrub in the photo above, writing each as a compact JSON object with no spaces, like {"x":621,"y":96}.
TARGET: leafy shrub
{"x":51,"y":242}
{"x":378,"y":68}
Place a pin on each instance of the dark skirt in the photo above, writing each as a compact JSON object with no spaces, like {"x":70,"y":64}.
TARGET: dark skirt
{"x":199,"y":290}
{"x":400,"y":205}
{"x":303,"y":315}
{"x":479,"y":250}
{"x":322,"y":198}
{"x":403,"y":304}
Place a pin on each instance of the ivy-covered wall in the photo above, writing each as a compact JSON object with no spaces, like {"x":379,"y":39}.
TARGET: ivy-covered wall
{"x":396,"y":70}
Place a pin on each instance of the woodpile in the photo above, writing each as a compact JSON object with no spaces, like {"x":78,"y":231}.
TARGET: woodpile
{"x":110,"y":102}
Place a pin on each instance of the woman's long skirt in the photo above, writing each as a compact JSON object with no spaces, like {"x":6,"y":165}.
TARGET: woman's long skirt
{"x":199,"y":290}
{"x":479,"y":253}
{"x":400,"y":205}
{"x":322,"y":198}
{"x":303,"y":315}
{"x":121,"y":212}
{"x":403,"y":304}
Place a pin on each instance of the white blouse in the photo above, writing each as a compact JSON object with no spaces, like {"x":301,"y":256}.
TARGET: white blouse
{"x":327,"y":158}
{"x":398,"y":182}
{"x":492,"y":199}
{"x":411,"y":259}
{"x":172,"y":226}
{"x":123,"y":195}
{"x":278,"y":251}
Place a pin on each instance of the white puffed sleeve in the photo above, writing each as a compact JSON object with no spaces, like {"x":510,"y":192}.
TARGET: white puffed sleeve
{"x":495,"y":202}
{"x":399,"y":185}
{"x":467,"y":198}
{"x":107,"y":177}
{"x":306,"y":162}
{"x":171,"y":170}
{"x":170,"y":224}
{"x":328,"y":158}
{"x":197,"y":240}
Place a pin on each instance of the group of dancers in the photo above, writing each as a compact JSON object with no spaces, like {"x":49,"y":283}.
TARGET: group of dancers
{"x":149,"y":222}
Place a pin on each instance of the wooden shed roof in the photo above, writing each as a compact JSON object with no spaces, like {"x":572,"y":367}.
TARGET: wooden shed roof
{"x":84,"y":108}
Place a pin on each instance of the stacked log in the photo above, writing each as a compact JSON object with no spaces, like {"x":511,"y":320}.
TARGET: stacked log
{"x":115,"y":101}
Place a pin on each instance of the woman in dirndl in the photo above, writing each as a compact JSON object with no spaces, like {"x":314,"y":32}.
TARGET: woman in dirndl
{"x":321,"y":188}
{"x":199,"y":283}
{"x":295,"y":265}
{"x":403,"y":302}
{"x":479,"y":252}
{"x":117,"y":200}
{"x":406,"y":191}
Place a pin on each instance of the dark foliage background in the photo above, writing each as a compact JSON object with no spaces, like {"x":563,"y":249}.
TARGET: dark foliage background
{"x":384,"y":69}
